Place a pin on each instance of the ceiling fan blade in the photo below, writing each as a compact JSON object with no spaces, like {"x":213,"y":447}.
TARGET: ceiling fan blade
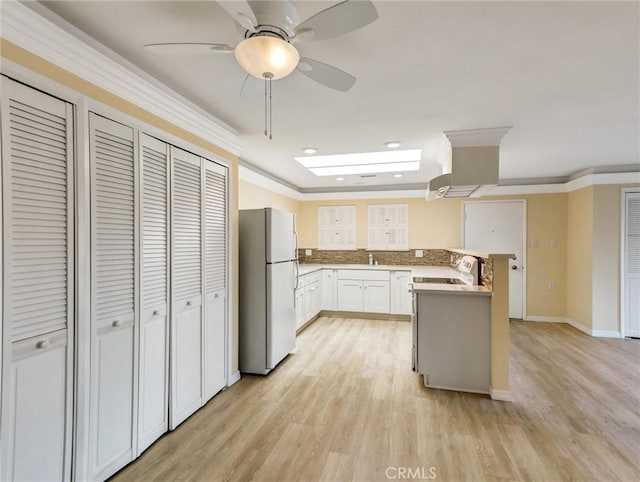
{"x":189,"y":48}
{"x":241,"y":12}
{"x":344,"y":17}
{"x":326,"y":74}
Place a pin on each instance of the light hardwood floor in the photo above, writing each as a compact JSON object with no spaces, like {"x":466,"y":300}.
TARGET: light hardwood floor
{"x":346,"y":406}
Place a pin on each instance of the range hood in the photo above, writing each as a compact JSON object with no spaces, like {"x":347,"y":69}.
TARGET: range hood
{"x":470,"y":165}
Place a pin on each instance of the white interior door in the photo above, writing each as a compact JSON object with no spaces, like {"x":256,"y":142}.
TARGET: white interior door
{"x":113,"y":248}
{"x":499,"y":227}
{"x":186,"y":320}
{"x":215,"y":263}
{"x":631,"y":264}
{"x":154,"y":335}
{"x":37,"y":298}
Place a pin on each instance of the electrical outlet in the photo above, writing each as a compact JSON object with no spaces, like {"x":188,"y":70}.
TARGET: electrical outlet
{"x":554,"y":243}
{"x":419,"y":253}
{"x":551,"y":286}
{"x":533,"y":243}
{"x":308,"y":252}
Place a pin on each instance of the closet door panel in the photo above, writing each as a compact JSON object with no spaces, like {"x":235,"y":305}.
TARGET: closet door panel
{"x":215,"y":205}
{"x":37,"y":287}
{"x":186,"y":269}
{"x":113,"y":252}
{"x":154,"y":225}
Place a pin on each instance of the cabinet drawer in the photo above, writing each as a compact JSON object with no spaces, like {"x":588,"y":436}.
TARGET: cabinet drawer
{"x":314,"y":277}
{"x":364,"y":274}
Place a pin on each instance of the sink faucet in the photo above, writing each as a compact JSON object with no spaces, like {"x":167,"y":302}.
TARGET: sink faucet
{"x":370,"y":258}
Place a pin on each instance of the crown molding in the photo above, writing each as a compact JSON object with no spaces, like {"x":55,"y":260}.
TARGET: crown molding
{"x":477,"y":137}
{"x":49,"y":38}
{"x":247,"y":174}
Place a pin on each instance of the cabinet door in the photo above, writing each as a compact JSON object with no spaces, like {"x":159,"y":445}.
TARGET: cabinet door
{"x":113,"y":247}
{"x":328,"y":290}
{"x":153,"y":380}
{"x":186,"y":319}
{"x":376,"y":296}
{"x":215,"y":262}
{"x":315,"y":298}
{"x":37,"y":293}
{"x":349,"y":295}
{"x":299,"y":302}
{"x":400,"y":295}
{"x":308,"y":302}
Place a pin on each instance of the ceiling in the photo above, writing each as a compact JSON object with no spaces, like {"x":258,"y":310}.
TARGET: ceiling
{"x":565,"y":75}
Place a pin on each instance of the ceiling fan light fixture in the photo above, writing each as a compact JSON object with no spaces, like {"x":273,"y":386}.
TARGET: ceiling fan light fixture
{"x":264,"y":54}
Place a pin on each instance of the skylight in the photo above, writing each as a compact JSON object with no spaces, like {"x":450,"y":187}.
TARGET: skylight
{"x":362,"y":162}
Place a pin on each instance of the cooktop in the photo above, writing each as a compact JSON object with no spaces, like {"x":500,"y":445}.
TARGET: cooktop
{"x":450,"y":281}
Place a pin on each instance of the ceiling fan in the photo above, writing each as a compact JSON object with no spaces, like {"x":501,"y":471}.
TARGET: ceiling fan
{"x":270,"y":28}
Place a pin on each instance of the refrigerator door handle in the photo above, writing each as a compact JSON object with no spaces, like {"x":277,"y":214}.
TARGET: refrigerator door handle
{"x":297,"y":276}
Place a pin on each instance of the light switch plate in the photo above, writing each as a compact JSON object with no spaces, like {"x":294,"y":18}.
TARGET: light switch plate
{"x":419,"y":253}
{"x":533,"y":243}
{"x":554,"y":243}
{"x":307,"y":252}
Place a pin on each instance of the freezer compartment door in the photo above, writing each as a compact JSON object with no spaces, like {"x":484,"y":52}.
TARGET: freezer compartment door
{"x":280,"y":236}
{"x":281,"y":313}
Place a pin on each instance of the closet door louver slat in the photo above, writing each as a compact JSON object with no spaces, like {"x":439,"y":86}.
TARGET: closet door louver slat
{"x":39,"y":221}
{"x":215,"y":235}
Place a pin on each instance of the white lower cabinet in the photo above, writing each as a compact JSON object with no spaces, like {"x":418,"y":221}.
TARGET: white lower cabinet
{"x":350,"y":295}
{"x":299,"y":302}
{"x":329,"y":289}
{"x":400,"y":292}
{"x":312,"y":300}
{"x":363,"y":290}
{"x":375,"y":298}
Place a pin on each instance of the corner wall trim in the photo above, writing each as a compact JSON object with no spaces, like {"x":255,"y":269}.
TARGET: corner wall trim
{"x":233,"y":378}
{"x":547,"y":319}
{"x":501,"y":395}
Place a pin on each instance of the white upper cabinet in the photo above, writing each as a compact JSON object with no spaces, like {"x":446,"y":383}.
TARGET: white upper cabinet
{"x":388,"y":227}
{"x":154,"y":336}
{"x":337,"y":227}
{"x":38,"y":289}
{"x":113,"y":234}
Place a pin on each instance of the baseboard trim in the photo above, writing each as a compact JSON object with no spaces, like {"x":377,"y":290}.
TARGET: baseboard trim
{"x":500,"y":395}
{"x":233,"y":378}
{"x":576,"y":325}
{"x":307,"y":323}
{"x":546,"y":319}
{"x":606,"y":334}
{"x":366,"y":316}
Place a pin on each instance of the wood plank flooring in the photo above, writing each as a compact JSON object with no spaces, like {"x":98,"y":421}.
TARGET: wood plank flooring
{"x":346,"y":406}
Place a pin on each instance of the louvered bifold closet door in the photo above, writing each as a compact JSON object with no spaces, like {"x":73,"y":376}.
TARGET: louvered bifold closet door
{"x":153,"y":381}
{"x":216,"y":269}
{"x":186,"y":285}
{"x":37,"y":312}
{"x":631,"y":271}
{"x":113,"y":254}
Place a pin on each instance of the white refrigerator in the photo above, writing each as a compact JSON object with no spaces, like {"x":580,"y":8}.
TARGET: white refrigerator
{"x":268,"y":279}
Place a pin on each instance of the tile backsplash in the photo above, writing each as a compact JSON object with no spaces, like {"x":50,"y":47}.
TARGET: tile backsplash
{"x":432,"y":257}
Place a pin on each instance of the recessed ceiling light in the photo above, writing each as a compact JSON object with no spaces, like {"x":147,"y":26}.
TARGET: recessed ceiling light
{"x":309,"y":150}
{"x":398,"y":175}
{"x":392,"y":144}
{"x":339,"y":178}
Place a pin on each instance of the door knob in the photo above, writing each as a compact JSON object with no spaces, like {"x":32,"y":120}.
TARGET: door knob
{"x":42,"y":344}
{"x":156,"y":312}
{"x":116,"y":323}
{"x":514,"y":267}
{"x":188,"y":303}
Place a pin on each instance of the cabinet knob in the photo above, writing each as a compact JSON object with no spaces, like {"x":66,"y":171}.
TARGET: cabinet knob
{"x":156,"y":312}
{"x":216,"y":295}
{"x":188,"y":303}
{"x":42,"y":344}
{"x":365,"y":287}
{"x":116,"y":323}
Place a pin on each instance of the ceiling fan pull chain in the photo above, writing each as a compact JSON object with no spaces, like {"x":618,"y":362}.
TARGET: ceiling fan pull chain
{"x":265,"y":106}
{"x":270,"y":111}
